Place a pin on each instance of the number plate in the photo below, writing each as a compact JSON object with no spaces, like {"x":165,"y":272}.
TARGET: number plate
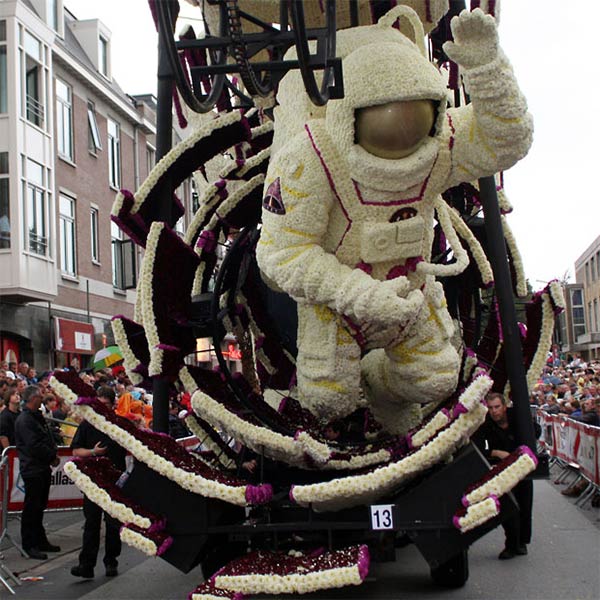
{"x":382,"y":516}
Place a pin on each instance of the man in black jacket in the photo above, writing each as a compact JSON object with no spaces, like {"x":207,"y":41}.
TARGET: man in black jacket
{"x":88,"y":442}
{"x":37,"y":454}
{"x":496,"y":438}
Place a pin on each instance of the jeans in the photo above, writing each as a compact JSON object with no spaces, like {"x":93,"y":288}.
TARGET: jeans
{"x":91,"y":537}
{"x":37,"y":488}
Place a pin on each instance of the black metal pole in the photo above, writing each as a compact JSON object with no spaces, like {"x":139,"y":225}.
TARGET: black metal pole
{"x":513,"y":351}
{"x":164,"y":142}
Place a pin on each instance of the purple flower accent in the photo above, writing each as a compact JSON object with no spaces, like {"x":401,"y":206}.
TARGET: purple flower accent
{"x":496,"y":501}
{"x":259,"y":494}
{"x":207,"y":240}
{"x":364,"y":561}
{"x":456,"y":522}
{"x":529,"y":452}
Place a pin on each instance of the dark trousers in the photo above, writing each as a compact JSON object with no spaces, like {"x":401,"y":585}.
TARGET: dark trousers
{"x":518,"y":528}
{"x":37,"y":488}
{"x":91,"y":536}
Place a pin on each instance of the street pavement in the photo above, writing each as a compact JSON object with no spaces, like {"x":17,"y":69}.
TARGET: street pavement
{"x":563,"y":564}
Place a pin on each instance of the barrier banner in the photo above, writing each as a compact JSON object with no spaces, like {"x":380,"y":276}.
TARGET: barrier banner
{"x":565,"y":438}
{"x":547,"y":436}
{"x":63,"y":492}
{"x":587,"y":451}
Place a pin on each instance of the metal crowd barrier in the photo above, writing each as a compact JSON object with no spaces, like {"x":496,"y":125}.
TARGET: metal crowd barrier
{"x":573,"y":447}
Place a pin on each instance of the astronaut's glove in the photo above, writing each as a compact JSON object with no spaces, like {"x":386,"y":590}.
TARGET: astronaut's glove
{"x":380,"y":303}
{"x":475,"y":39}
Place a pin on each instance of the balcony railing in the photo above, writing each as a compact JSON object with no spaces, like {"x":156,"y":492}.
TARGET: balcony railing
{"x":38,"y":243}
{"x":34,"y":111}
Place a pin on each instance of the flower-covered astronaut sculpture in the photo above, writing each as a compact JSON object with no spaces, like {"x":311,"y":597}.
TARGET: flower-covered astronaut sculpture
{"x":350,"y":203}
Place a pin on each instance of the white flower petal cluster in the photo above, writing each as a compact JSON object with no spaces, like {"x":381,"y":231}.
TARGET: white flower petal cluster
{"x":546,"y":331}
{"x":102,"y":498}
{"x":477,"y":514}
{"x":190,"y":481}
{"x":504,"y":481}
{"x":63,"y":391}
{"x":195,"y":427}
{"x":166,"y":161}
{"x":138,"y":541}
{"x":259,"y":439}
{"x":130,"y":362}
{"x":425,"y":433}
{"x":294,"y":583}
{"x":366,"y":488}
{"x":517,"y":261}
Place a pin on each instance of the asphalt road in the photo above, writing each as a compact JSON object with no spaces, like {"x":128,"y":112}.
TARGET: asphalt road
{"x":563,"y":564}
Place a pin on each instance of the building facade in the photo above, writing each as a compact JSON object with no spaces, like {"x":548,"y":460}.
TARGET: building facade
{"x":70,"y":138}
{"x":578,"y":328}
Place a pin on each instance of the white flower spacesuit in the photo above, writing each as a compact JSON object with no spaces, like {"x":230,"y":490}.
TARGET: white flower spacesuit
{"x":348,"y":231}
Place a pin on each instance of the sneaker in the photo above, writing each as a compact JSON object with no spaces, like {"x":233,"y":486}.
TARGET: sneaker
{"x":36,"y":553}
{"x":81,"y":571}
{"x":48,"y":547}
{"x":521,"y":550}
{"x":112,"y":571}
{"x":506,"y":554}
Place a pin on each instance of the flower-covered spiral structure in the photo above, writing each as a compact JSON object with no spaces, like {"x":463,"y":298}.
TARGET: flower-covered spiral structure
{"x":383,"y":381}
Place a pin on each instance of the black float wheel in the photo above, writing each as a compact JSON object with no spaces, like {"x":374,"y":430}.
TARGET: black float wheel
{"x":198,"y":102}
{"x":454,"y":572}
{"x":327,"y":90}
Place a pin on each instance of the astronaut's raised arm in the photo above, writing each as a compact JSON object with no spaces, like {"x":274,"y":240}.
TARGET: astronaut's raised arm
{"x":494,"y":131}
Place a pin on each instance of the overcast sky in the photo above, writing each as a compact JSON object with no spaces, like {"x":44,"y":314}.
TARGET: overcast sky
{"x":553,"y":47}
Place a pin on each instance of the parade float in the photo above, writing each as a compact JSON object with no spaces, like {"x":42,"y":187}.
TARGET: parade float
{"x":349,"y":158}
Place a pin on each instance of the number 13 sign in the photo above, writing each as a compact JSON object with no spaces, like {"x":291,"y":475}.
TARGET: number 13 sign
{"x":382,"y":516}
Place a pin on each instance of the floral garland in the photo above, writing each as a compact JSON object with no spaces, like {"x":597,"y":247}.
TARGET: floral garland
{"x":205,"y":436}
{"x":151,"y":543}
{"x":476,"y":514}
{"x":208,"y":591}
{"x":166,"y":162}
{"x":545,"y":339}
{"x":120,"y":510}
{"x":477,"y":252}
{"x":516,"y":259}
{"x":502,"y":477}
{"x":206,"y":482}
{"x":365,"y":488}
{"x":294,"y":573}
{"x":439,"y":421}
{"x":130,"y":361}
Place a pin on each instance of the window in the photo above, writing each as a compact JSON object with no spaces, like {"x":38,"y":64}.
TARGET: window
{"x":123,"y":260}
{"x":52,"y":13}
{"x":596,"y":321}
{"x":94,"y":143}
{"x":33,"y":76}
{"x":3,"y":73}
{"x":64,"y":120}
{"x":4,"y":202}
{"x":95,"y":249}
{"x":36,"y":210}
{"x":578,"y":313}
{"x":67,"y":235}
{"x":103,"y":56}
{"x":592,"y":268}
{"x":150,"y":158}
{"x":114,"y":154}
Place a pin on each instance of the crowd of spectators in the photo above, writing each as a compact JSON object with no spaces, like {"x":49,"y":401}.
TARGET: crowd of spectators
{"x":132,"y":402}
{"x":570,"y":387}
